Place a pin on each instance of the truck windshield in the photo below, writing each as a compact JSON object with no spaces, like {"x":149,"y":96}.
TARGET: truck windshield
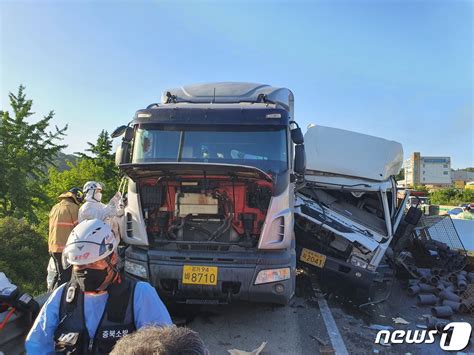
{"x":264,"y":149}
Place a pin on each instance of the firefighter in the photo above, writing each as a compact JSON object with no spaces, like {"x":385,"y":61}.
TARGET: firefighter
{"x":97,"y":307}
{"x":62,"y":220}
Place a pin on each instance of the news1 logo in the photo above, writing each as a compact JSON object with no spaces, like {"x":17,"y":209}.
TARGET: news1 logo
{"x":454,"y":337}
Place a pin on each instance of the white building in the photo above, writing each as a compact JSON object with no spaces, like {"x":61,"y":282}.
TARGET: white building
{"x":430,"y":171}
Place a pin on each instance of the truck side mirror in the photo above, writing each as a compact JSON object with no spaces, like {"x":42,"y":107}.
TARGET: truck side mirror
{"x":121,"y":130}
{"x":300,"y":159}
{"x":128,"y":136}
{"x":122,"y":155}
{"x":118,"y":131}
{"x":297,"y":136}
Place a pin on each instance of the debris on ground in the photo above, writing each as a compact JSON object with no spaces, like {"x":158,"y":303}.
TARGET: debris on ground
{"x":400,"y":320}
{"x":380,"y":327}
{"x":327,"y":350}
{"x":435,"y":260}
{"x":319,"y":340}
{"x":256,"y":351}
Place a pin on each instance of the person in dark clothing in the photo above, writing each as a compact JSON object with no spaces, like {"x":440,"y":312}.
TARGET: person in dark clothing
{"x":97,"y":307}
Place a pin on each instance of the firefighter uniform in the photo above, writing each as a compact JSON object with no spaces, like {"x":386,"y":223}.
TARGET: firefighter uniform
{"x":62,"y":220}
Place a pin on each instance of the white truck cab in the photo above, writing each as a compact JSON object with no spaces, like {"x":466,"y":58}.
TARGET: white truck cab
{"x":347,"y":213}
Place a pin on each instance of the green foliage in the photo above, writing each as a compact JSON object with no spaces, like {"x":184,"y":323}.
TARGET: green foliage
{"x":59,"y":181}
{"x":421,"y":188}
{"x":400,"y":175}
{"x":26,"y":149}
{"x":451,"y":196}
{"x":33,"y":173}
{"x":23,"y":255}
{"x":101,"y":167}
{"x":77,"y":175}
{"x":104,"y":158}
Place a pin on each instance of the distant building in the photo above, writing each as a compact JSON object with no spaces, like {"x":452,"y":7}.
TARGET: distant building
{"x":461,"y":177}
{"x":429,"y":171}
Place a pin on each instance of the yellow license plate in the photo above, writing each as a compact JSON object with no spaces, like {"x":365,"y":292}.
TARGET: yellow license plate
{"x":313,"y":258}
{"x":199,"y":275}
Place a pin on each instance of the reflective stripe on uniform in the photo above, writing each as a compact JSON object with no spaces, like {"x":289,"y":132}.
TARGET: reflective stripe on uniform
{"x":65,"y":224}
{"x":56,"y":248}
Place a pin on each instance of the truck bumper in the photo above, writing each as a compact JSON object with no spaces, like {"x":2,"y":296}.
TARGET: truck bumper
{"x":237,"y":272}
{"x":338,"y":271}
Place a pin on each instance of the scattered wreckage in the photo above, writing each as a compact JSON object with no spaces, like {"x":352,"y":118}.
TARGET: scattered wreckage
{"x":435,"y":263}
{"x":349,"y":223}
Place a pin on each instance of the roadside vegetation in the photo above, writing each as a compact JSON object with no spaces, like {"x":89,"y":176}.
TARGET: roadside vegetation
{"x":451,"y":196}
{"x":33,"y":173}
{"x":448,"y":196}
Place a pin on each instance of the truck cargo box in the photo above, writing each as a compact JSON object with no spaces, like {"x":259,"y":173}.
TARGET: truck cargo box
{"x":340,"y":152}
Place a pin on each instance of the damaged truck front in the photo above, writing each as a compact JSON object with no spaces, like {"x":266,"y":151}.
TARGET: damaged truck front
{"x":209,"y":214}
{"x":347,"y":213}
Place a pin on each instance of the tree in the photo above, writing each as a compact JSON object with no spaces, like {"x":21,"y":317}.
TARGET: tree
{"x":26,"y":149}
{"x":401,"y":175}
{"x":77,"y":175}
{"x":23,"y":255}
{"x":422,"y":188}
{"x":104,"y":158}
{"x":100,"y":167}
{"x":451,"y":196}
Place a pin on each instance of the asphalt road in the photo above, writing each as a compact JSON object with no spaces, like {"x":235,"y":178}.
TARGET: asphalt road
{"x":299,"y":328}
{"x":294,"y":329}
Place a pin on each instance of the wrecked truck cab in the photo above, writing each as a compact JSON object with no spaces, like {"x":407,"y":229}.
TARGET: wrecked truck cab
{"x":211,"y":176}
{"x":347,"y":214}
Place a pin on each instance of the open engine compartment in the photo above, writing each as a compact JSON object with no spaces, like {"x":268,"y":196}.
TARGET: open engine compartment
{"x":204,"y":209}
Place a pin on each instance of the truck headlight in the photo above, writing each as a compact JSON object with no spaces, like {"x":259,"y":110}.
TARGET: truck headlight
{"x":272,"y":275}
{"x":356,"y":261}
{"x":136,"y":269}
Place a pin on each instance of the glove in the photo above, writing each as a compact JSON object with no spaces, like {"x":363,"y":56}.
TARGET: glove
{"x":116,"y":199}
{"x":120,"y":211}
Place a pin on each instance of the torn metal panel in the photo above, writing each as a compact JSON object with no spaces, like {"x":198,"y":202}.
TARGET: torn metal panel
{"x":337,"y":223}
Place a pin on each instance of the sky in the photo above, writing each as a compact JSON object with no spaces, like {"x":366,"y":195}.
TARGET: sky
{"x":401,"y":70}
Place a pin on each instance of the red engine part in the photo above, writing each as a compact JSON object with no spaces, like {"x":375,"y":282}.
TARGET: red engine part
{"x":236,"y":192}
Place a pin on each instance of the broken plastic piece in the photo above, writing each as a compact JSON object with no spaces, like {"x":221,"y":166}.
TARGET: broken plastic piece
{"x":400,"y":320}
{"x":256,"y":351}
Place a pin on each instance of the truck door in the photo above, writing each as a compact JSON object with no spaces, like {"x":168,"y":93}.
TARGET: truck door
{"x":400,"y":211}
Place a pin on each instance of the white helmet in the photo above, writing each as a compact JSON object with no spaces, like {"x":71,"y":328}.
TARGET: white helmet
{"x":90,"y":241}
{"x":91,"y":185}
{"x":90,"y":189}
